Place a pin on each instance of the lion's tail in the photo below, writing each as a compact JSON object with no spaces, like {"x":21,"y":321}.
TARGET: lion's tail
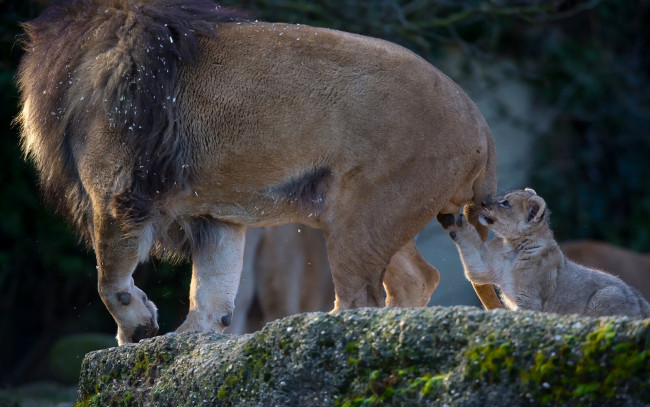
{"x":114,"y":62}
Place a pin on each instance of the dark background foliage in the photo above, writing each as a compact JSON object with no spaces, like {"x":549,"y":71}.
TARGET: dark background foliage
{"x":587,"y":63}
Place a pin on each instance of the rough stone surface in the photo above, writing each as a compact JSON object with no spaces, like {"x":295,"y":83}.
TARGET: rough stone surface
{"x":458,"y":356}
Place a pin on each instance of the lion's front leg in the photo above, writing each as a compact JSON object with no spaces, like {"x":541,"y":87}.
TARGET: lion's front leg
{"x":472,"y":250}
{"x":118,"y":253}
{"x":217,"y":260}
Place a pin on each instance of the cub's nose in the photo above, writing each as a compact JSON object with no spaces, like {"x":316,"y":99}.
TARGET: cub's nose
{"x":483,"y":204}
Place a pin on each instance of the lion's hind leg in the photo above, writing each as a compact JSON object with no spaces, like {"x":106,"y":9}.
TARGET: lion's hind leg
{"x":118,"y":253}
{"x":409,"y":279}
{"x":357,"y":273}
{"x":484,"y":186}
{"x":363,"y":264}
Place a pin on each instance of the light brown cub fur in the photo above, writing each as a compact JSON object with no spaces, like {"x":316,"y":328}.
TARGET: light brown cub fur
{"x":529,"y":267}
{"x":629,"y":266}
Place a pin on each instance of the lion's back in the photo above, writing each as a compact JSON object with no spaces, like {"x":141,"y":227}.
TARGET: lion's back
{"x":339,"y":96}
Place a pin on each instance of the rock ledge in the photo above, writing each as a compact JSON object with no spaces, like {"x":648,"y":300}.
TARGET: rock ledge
{"x":459,"y":356}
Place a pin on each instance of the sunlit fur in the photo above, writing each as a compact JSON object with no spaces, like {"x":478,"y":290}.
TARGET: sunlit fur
{"x":630,"y":266}
{"x":163,"y":126}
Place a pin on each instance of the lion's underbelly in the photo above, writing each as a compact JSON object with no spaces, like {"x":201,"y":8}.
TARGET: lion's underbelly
{"x":255,"y":207}
{"x":254,"y":215}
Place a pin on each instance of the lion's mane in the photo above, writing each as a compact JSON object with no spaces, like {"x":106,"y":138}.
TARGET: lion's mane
{"x":119,"y":62}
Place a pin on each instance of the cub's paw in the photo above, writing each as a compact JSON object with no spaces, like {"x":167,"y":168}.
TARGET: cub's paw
{"x":452,"y":223}
{"x":446,"y":220}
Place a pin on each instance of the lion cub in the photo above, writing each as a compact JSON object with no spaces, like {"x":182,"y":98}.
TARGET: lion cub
{"x":527,"y":264}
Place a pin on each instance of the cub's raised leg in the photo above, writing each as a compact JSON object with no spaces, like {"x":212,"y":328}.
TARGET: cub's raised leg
{"x":217,"y":259}
{"x":475,"y":259}
{"x":118,"y":253}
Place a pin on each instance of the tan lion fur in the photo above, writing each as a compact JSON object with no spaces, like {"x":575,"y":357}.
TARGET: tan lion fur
{"x":629,"y":266}
{"x":527,"y":264}
{"x":159,"y":127}
{"x":286,"y":272}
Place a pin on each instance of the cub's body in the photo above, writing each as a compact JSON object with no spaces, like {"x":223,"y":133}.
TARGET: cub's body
{"x":527,"y":264}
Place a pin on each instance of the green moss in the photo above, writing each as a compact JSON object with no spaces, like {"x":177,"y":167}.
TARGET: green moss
{"x":148,"y":365}
{"x":86,"y":402}
{"x":354,"y":362}
{"x":432,"y":383}
{"x":285,"y":345}
{"x":596,"y":366}
{"x":246,"y":375}
{"x":142,"y":364}
{"x":230,"y":381}
{"x":392,"y":387}
{"x":163,"y":358}
{"x":128,"y":398}
{"x":490,"y":361}
{"x":587,"y":372}
{"x":352,"y":348}
{"x":549,"y":360}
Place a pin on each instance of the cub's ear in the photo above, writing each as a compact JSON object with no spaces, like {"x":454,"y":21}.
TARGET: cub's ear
{"x":535,"y":208}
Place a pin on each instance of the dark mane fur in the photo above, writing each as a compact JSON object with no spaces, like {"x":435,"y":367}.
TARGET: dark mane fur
{"x":116,"y":60}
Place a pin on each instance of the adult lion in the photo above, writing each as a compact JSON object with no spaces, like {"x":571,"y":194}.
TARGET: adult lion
{"x":164,"y":126}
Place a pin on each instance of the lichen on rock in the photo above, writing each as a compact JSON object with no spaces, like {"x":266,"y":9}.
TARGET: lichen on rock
{"x":459,"y":356}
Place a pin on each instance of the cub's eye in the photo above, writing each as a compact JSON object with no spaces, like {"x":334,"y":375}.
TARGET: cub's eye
{"x":504,"y":203}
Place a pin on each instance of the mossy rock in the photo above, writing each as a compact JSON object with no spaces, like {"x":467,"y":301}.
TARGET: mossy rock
{"x":67,"y":353}
{"x":459,"y":356}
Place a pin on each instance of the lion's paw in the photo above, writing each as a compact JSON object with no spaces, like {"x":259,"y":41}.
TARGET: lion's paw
{"x":144,"y":327}
{"x":205,"y":322}
{"x":138,"y":317}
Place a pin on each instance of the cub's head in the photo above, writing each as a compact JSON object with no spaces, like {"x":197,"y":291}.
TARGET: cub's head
{"x":514,"y":213}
